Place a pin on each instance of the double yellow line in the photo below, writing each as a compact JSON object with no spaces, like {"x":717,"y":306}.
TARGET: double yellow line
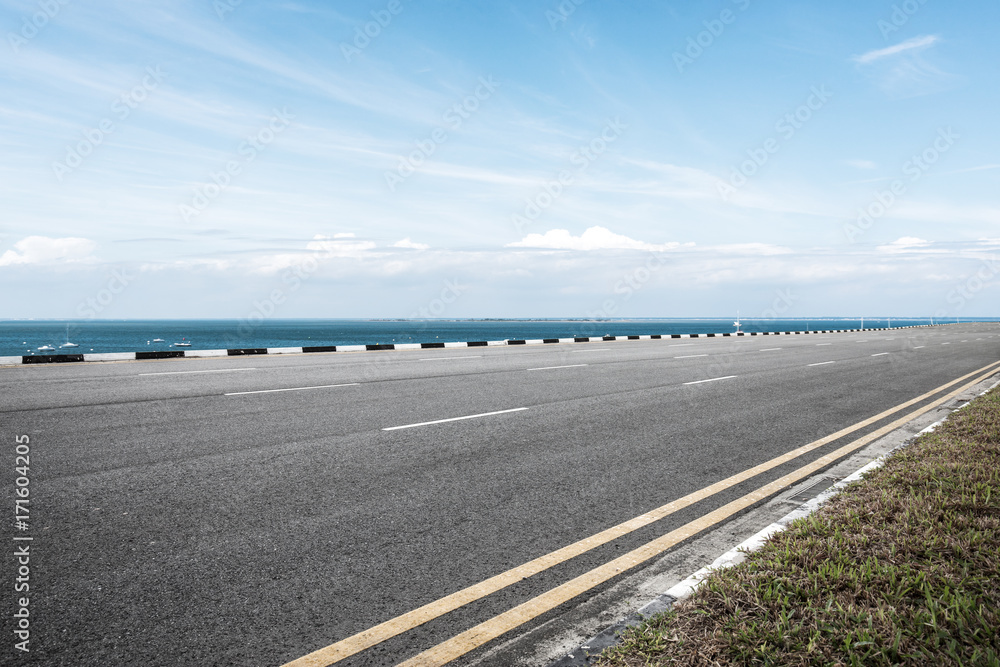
{"x":494,"y":627}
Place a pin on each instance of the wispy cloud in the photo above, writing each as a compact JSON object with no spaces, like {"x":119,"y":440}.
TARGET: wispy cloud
{"x":595,"y":208}
{"x":982,"y":167}
{"x":902,"y":71}
{"x":908,"y":45}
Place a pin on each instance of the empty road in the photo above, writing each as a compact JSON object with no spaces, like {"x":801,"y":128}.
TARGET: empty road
{"x":253,"y":510}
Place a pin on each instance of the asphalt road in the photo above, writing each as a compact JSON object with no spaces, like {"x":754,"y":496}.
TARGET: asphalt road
{"x":185,"y":512}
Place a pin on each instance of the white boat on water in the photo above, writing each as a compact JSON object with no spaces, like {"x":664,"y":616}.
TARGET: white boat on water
{"x":183,"y":343}
{"x":46,"y":348}
{"x":67,"y":343}
{"x":159,"y":340}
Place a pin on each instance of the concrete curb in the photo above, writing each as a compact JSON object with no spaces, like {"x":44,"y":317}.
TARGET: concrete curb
{"x":584,"y":655}
{"x":170,"y":354}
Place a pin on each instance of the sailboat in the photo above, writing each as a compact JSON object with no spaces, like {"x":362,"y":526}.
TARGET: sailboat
{"x":67,"y":343}
{"x":737,"y":323}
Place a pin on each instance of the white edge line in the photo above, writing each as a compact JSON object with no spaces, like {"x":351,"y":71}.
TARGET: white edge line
{"x":271,"y":391}
{"x":220,"y":370}
{"x":724,"y":377}
{"x":880,"y":354}
{"x":452,"y":419}
{"x":823,"y":363}
{"x":691,"y":356}
{"x":549,"y":368}
{"x":471,"y":356}
{"x":737,"y":554}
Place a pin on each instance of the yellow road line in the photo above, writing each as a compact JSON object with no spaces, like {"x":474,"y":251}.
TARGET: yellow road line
{"x":475,"y":637}
{"x":405,"y":622}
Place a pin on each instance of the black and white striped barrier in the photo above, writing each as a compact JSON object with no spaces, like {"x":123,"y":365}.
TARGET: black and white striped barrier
{"x":172,"y":354}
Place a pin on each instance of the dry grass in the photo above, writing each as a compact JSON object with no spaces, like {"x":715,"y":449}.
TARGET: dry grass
{"x":901,"y":568}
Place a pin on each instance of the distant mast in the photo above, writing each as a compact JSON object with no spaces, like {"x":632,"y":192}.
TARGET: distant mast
{"x":737,"y":323}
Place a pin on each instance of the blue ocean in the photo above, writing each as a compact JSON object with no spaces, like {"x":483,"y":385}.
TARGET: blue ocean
{"x":25,"y":337}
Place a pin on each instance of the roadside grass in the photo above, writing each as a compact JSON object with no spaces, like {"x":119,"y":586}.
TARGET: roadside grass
{"x":903,"y":567}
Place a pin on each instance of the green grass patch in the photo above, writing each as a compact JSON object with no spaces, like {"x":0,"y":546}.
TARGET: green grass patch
{"x":903,"y":567}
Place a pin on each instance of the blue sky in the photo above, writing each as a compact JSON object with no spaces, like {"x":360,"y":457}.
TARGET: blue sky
{"x":498,"y":159}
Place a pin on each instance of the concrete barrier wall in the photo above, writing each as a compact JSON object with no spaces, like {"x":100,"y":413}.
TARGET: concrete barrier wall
{"x":169,"y":354}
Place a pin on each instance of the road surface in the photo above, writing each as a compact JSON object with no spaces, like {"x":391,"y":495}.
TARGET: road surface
{"x":252,"y":510}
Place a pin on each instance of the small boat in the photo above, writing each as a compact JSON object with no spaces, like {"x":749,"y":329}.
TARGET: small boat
{"x":737,"y":323}
{"x":159,"y":340}
{"x":183,"y":343}
{"x":67,"y":343}
{"x":46,"y":348}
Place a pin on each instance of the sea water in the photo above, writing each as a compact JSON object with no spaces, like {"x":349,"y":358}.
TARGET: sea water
{"x":24,"y":337}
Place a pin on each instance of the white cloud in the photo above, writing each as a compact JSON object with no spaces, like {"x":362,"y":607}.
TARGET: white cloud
{"x":341,"y":246}
{"x":905,"y":244}
{"x":593,"y":238}
{"x":46,"y":250}
{"x":908,"y":45}
{"x":407,"y":243}
{"x":338,"y":246}
{"x":758,"y":249}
